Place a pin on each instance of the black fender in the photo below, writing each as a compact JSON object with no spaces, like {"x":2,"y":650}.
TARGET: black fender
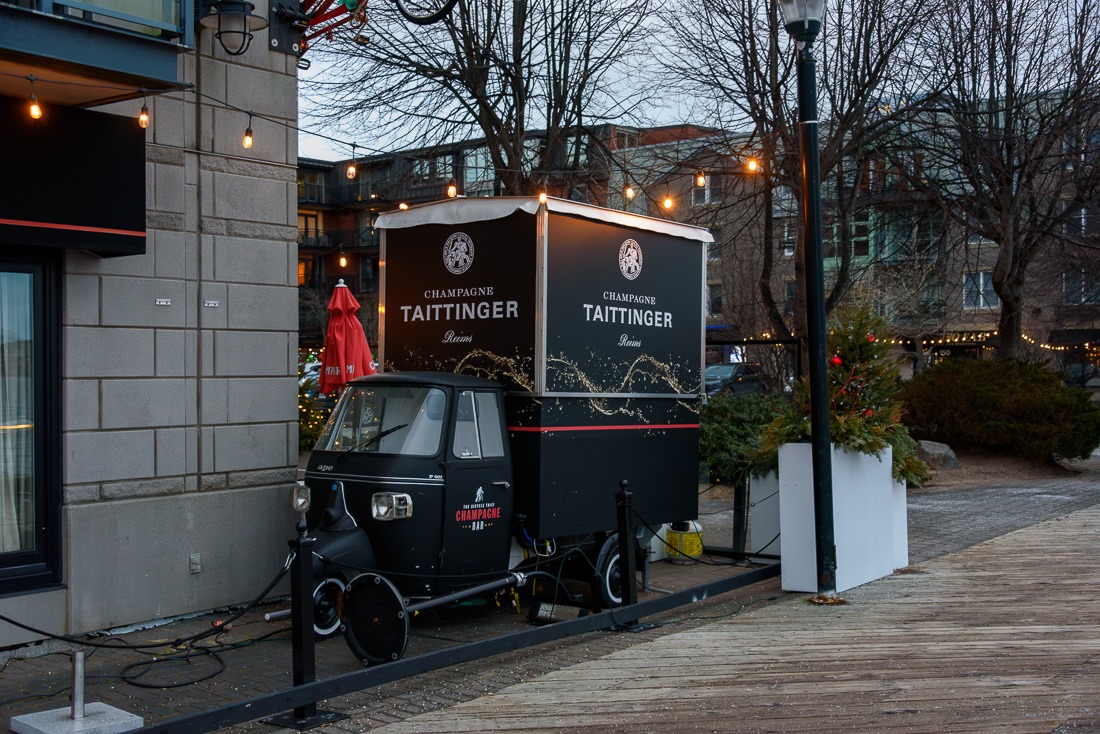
{"x":340,"y":543}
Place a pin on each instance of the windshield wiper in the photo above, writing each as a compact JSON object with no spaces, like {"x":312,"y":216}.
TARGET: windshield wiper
{"x":376,"y":437}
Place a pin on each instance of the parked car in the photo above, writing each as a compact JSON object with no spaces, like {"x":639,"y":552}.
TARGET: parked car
{"x":732,"y":379}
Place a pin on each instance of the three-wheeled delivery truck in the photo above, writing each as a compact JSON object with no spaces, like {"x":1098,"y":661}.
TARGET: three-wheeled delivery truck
{"x":533,"y":355}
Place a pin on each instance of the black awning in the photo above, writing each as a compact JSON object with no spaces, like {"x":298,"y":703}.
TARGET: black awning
{"x":73,"y":178}
{"x":1070,"y":337}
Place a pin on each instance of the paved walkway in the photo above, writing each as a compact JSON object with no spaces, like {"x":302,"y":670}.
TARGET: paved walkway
{"x":941,"y":521}
{"x":1000,"y":637}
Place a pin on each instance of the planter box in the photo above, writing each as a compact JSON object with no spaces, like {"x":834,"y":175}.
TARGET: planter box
{"x":764,"y":515}
{"x":869,"y":518}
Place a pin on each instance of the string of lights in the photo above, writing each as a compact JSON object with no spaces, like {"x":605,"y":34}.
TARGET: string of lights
{"x":144,"y":118}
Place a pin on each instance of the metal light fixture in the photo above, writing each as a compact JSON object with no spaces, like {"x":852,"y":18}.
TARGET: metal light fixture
{"x":802,"y":18}
{"x":233,"y":22}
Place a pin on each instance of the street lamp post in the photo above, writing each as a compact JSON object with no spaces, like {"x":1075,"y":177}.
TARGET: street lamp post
{"x":802,"y":19}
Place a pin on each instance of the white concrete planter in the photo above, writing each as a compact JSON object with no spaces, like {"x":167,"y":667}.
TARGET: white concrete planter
{"x":869,"y":518}
{"x":764,"y":515}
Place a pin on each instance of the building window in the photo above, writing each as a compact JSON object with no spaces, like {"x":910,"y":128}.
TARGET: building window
{"x":978,"y":291}
{"x":29,"y":433}
{"x":1080,"y":286}
{"x":861,"y":234}
{"x":311,"y":186}
{"x":706,"y":194}
{"x":432,"y":170}
{"x":788,"y":231}
{"x":714,"y":299}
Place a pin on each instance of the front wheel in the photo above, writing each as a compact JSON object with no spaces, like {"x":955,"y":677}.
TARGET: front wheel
{"x":425,"y":12}
{"x":326,"y":606}
{"x":607,"y":583}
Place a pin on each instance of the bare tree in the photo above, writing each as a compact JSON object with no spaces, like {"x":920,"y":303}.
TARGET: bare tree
{"x":495,"y":69}
{"x":1011,"y":146}
{"x":744,"y":64}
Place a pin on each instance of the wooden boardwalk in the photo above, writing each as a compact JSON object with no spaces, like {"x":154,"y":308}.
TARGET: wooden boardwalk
{"x":1000,"y":637}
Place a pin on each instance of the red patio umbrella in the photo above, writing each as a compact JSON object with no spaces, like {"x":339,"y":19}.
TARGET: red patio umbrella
{"x":346,"y":354}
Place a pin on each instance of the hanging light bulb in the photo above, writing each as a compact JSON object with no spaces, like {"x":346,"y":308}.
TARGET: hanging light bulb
{"x":667,"y":203}
{"x":143,"y":118}
{"x":402,"y":206}
{"x":452,"y":189}
{"x":752,"y":165}
{"x":700,"y":179}
{"x":629,"y":192}
{"x":35,"y":109}
{"x":351,"y":171}
{"x":542,"y":197}
{"x":343,"y":261}
{"x":247,"y":140}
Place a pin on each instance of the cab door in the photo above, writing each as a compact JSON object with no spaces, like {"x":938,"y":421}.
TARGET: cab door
{"x":478,"y":504}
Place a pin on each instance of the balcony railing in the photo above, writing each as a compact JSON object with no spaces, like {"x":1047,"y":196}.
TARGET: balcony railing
{"x":164,"y":19}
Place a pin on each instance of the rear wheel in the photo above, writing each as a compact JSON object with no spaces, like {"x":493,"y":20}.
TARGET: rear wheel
{"x":425,"y":12}
{"x":326,"y":606}
{"x":607,"y":583}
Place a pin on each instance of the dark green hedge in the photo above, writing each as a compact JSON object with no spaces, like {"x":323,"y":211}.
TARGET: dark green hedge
{"x":1002,"y":406}
{"x":729,"y":434}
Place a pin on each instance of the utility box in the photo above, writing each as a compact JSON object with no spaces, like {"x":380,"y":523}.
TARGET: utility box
{"x":592,"y":320}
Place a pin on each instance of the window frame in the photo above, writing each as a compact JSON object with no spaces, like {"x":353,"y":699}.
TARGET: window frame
{"x":984,"y":280}
{"x":42,"y":566}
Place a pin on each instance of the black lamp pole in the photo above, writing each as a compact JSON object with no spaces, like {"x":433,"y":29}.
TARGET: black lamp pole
{"x":803,"y":21}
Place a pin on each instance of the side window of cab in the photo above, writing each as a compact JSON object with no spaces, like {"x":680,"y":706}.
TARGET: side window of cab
{"x":478,"y":430}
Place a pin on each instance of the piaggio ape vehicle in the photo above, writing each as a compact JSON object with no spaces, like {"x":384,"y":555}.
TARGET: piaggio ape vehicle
{"x":533,"y":354}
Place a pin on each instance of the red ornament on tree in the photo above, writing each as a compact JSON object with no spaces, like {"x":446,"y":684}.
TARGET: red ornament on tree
{"x":868,"y":413}
{"x":835,"y":360}
{"x":870,"y":337}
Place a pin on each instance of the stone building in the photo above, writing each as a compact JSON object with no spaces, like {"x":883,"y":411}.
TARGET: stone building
{"x":148,"y":314}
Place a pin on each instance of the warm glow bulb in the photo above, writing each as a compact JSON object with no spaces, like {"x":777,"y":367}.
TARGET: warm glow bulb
{"x":143,"y":118}
{"x":667,"y":202}
{"x":35,"y":109}
{"x":402,"y":206}
{"x":542,"y":197}
{"x":629,"y":192}
{"x":753,"y":165}
{"x":351,"y":170}
{"x":343,"y":261}
{"x":700,"y":179}
{"x":247,"y":141}
{"x":452,"y":190}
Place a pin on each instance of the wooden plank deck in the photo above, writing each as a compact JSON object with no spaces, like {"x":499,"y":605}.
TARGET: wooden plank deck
{"x":1000,"y":637}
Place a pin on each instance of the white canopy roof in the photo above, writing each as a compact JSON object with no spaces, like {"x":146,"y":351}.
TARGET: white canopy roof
{"x":461,"y":210}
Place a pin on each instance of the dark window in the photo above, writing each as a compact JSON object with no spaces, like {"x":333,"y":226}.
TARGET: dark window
{"x":29,"y":424}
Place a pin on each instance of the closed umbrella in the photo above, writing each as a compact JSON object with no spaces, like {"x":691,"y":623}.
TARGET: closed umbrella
{"x":347,"y":354}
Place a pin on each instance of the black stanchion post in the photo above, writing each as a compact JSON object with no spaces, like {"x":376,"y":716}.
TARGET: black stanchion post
{"x":301,"y":612}
{"x":304,"y":664}
{"x":628,"y":565}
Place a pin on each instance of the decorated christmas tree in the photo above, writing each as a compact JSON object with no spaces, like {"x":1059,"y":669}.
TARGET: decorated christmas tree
{"x":863,"y":390}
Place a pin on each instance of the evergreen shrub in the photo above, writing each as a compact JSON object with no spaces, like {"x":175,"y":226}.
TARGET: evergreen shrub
{"x":1004,"y":407}
{"x":730,"y":427}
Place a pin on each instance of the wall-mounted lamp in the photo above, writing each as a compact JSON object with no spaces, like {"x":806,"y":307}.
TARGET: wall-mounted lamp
{"x":233,"y":22}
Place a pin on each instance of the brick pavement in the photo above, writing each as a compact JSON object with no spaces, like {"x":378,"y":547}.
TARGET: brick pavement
{"x":939,"y":521}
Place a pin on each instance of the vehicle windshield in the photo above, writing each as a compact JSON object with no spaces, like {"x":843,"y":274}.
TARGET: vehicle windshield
{"x":721,"y":370}
{"x":387,"y":419}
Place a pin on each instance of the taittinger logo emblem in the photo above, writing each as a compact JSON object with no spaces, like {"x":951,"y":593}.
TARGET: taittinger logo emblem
{"x":458,"y":253}
{"x":630,"y":259}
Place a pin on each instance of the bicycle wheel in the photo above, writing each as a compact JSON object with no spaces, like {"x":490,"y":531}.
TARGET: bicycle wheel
{"x":425,"y":12}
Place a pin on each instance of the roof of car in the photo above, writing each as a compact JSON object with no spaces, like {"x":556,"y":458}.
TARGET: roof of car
{"x":427,"y":378}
